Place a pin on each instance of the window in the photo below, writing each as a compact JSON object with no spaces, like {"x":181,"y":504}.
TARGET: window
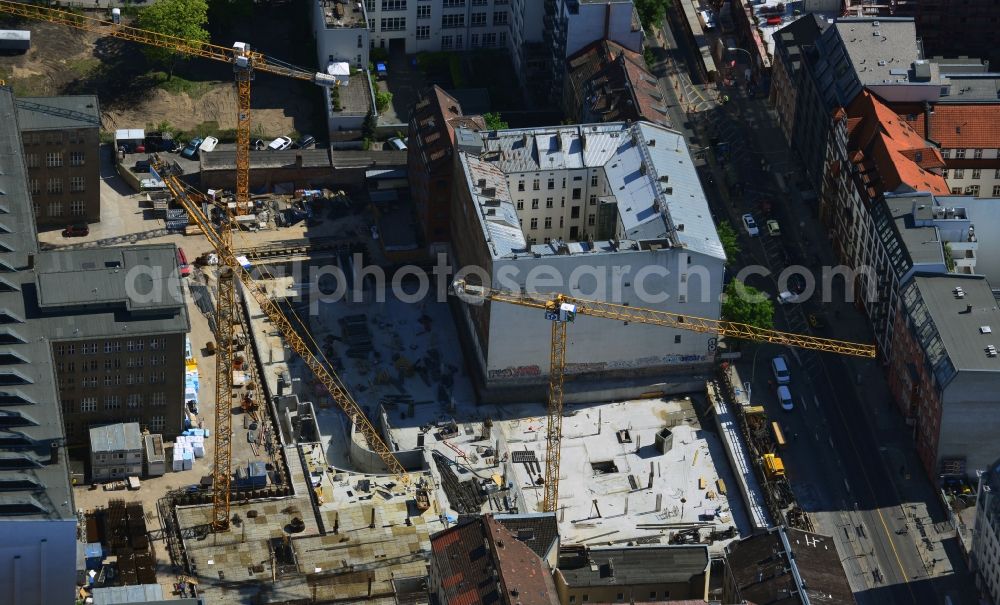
{"x":77,"y":208}
{"x":534,"y":224}
{"x":972,"y":190}
{"x":134,"y":400}
{"x":996,"y":173}
{"x":113,"y":346}
{"x":677,"y":339}
{"x":55,"y":209}
{"x":593,"y":180}
{"x":500,"y":18}
{"x":503,"y":38}
{"x":394,"y":5}
{"x":959,"y":154}
{"x":976,"y":172}
{"x":31,"y":160}
{"x":423,"y":12}
{"x":154,"y":343}
{"x":574,"y":212}
{"x":548,"y":202}
{"x":157,"y":423}
{"x":474,"y":41}
{"x":158,"y":399}
{"x":423,"y":32}
{"x":54,"y":159}
{"x":620,"y":596}
{"x":76,"y":158}
{"x":520,"y":205}
{"x":35,"y":187}
{"x":548,"y":222}
{"x":446,"y":42}
{"x":593,"y":200}
{"x":158,"y":361}
{"x":996,"y":190}
{"x":453,"y":3}
{"x":561,"y":221}
{"x":76,"y":184}
{"x":112,"y":402}
{"x":572,"y":598}
{"x":956,"y":191}
{"x":944,"y":173}
{"x":477,"y":20}
{"x":393,"y":24}
{"x":54,"y":186}
{"x":534,"y":185}
{"x":652,"y":595}
{"x":89,"y":348}
{"x":977,"y":154}
{"x":577,"y":193}
{"x":959,"y":173}
{"x":520,"y":185}
{"x":450,"y":21}
{"x":490,"y":40}
{"x":591,"y":220}
{"x":534,"y":204}
{"x":552,"y":184}
{"x":586,"y":598}
{"x":88,"y":404}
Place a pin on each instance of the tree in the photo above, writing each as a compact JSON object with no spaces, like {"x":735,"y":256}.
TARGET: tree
{"x":382,"y":100}
{"x":182,"y":18}
{"x":748,"y":305}
{"x":225,"y":13}
{"x":651,"y":12}
{"x":494,"y":121}
{"x":730,"y":241}
{"x":369,"y":126}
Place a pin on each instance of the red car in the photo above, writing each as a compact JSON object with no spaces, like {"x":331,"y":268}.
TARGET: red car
{"x":76,"y":231}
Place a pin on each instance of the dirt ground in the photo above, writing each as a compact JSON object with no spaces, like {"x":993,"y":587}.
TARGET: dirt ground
{"x":63,"y":60}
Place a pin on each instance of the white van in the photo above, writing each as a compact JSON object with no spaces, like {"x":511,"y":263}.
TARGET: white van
{"x":780,"y":369}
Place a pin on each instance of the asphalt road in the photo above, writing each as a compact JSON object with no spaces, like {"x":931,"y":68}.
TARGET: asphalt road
{"x":834,"y":458}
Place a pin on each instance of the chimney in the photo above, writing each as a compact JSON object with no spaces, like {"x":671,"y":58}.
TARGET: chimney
{"x":54,"y":453}
{"x":298,"y":160}
{"x":968,"y":309}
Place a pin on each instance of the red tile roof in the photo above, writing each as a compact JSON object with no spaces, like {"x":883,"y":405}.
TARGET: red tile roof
{"x":954,"y":126}
{"x":893,"y":154}
{"x":611,"y":83}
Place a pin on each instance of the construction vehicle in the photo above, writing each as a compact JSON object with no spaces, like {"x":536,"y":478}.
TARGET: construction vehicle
{"x":562,"y":310}
{"x":245,"y":62}
{"x":774,"y":468}
{"x":304,"y":346}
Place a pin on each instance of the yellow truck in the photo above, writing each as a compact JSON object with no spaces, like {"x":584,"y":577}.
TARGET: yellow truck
{"x":773,"y":466}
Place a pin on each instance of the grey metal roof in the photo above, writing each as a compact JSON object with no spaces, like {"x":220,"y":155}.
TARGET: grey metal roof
{"x":647,"y":167}
{"x":636,"y":565}
{"x":42,"y":484}
{"x":972,"y":88}
{"x":112,"y":595}
{"x":123,"y":436}
{"x":225,"y":159}
{"x":957,"y":326}
{"x":58,"y":113}
{"x":879,"y":46}
{"x":356,"y":158}
{"x":99,"y":292}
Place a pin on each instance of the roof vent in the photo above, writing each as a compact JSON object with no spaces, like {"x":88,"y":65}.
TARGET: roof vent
{"x":875,"y":23}
{"x":958,"y":292}
{"x":985,"y":330}
{"x":482,"y":183}
{"x":877,"y":33}
{"x":881,"y":62}
{"x":991,"y":351}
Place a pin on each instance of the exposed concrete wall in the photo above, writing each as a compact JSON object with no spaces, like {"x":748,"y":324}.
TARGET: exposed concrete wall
{"x":38,"y":561}
{"x":969,"y":422}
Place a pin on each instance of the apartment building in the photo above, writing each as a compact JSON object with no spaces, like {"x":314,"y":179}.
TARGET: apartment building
{"x":986,"y":535}
{"x":38,"y":561}
{"x":582,"y":204}
{"x":117,"y":322}
{"x":341,"y":33}
{"x":61,"y":138}
{"x":945,"y":371}
{"x":607,"y":82}
{"x":431,"y":160}
{"x":414,"y":26}
{"x":792,"y":89}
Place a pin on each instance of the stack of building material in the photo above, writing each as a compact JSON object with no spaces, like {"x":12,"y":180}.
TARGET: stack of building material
{"x":191,"y":384}
{"x":176,"y":219}
{"x":183,"y":454}
{"x":357,"y":336}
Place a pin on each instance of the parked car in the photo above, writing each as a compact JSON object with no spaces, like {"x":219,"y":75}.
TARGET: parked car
{"x":182,"y":263}
{"x":80,"y":230}
{"x":750,"y":225}
{"x":208,"y":145}
{"x":787,"y":298}
{"x":191,"y":151}
{"x":141,"y":166}
{"x":773,"y":229}
{"x":398,"y":143}
{"x":305,"y":142}
{"x":279,"y":143}
{"x":785,"y":398}
{"x":257,"y":144}
{"x":780,"y":369}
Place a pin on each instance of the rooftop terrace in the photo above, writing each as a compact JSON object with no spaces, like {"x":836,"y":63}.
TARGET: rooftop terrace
{"x":343,"y":13}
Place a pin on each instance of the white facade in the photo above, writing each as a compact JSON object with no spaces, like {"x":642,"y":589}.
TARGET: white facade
{"x":986,"y":535}
{"x":38,"y":561}
{"x":977,"y":182}
{"x":341,"y":33}
{"x":611,"y":212}
{"x":615,"y":20}
{"x":435,"y":25}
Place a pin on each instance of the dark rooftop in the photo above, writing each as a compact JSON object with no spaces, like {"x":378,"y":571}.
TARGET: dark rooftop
{"x":58,"y":113}
{"x":223,"y":159}
{"x":774,"y":567}
{"x":632,"y":565}
{"x":540,"y":531}
{"x":353,"y":158}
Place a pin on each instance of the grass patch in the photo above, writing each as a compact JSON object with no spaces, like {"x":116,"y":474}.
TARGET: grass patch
{"x":178,"y":85}
{"x":31,"y":86}
{"x":84,"y":66}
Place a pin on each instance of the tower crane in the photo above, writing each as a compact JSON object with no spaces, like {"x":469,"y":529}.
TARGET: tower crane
{"x":561,"y":310}
{"x":230,"y":266}
{"x":245,"y":62}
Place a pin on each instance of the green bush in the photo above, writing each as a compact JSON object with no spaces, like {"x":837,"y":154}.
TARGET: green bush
{"x":382,"y":100}
{"x":455,"y":69}
{"x":378,"y":54}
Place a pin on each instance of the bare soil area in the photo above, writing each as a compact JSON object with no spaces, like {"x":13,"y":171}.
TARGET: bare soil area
{"x":135,"y":94}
